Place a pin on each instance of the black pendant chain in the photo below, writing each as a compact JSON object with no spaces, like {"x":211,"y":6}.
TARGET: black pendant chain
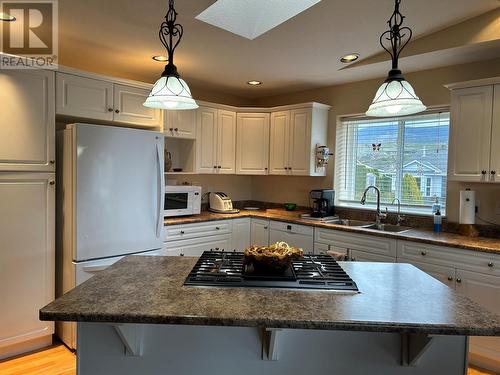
{"x":170,"y":36}
{"x":398,"y":37}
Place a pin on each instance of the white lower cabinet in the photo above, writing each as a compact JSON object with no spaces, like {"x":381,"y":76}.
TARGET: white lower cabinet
{"x":473,"y":274}
{"x":360,"y":247}
{"x":293,"y":234}
{"x":27,"y":260}
{"x":445,"y":274}
{"x":485,"y":290}
{"x":240,"y":238}
{"x":259,"y":232}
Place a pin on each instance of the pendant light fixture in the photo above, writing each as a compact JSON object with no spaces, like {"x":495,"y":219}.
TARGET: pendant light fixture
{"x":395,"y":97}
{"x":170,"y":91}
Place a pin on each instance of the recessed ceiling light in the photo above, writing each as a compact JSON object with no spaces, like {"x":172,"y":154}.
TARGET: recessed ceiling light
{"x":6,"y":17}
{"x":254,"y":83}
{"x":160,"y":58}
{"x":349,"y":58}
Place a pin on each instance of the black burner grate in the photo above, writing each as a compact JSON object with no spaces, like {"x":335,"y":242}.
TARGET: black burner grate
{"x":220,"y":268}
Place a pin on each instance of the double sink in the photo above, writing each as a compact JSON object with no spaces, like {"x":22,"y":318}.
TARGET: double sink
{"x":371,"y":225}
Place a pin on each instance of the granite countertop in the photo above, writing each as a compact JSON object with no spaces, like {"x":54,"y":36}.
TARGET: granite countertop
{"x":484,"y":244}
{"x":393,"y":298}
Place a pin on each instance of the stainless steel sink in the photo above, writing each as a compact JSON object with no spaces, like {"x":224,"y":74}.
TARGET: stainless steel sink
{"x":388,"y":227}
{"x":355,"y":223}
{"x":372,"y":225}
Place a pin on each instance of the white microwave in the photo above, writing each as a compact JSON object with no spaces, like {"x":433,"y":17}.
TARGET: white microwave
{"x":182,"y":200}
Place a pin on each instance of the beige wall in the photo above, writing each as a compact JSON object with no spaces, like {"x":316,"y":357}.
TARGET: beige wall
{"x":238,"y":187}
{"x":354,"y":98}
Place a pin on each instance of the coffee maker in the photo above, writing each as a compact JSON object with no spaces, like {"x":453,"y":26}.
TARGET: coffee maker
{"x":322,"y":202}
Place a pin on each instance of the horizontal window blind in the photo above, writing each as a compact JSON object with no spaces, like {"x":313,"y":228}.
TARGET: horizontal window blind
{"x":405,"y":157}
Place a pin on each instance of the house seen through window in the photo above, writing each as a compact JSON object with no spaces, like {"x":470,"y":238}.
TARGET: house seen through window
{"x":405,"y":157}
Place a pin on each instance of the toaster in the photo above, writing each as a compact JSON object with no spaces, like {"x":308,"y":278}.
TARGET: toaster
{"x":221,"y":203}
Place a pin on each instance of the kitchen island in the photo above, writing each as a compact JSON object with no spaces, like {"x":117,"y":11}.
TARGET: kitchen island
{"x":137,"y":317}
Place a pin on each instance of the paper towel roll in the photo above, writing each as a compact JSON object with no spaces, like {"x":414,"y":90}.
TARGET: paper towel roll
{"x":467,"y":207}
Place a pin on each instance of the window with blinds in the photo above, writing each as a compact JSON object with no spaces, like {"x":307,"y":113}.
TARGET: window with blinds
{"x":405,"y":157}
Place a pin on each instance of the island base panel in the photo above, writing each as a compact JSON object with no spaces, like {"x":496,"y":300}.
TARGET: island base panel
{"x":190,"y":350}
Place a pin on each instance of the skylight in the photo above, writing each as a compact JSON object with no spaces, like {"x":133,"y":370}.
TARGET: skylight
{"x":252,"y":18}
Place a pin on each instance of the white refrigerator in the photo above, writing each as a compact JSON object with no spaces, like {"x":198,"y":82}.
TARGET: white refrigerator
{"x":110,"y":201}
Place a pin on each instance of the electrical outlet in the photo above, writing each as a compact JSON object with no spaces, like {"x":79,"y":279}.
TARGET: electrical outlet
{"x":497,"y":208}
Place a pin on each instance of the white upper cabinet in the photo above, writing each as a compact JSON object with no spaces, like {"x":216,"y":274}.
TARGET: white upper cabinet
{"x":96,"y":99}
{"x":293,"y":139}
{"x":181,"y":124}
{"x":252,"y":143}
{"x":129,"y":108}
{"x":226,"y":142}
{"x":206,"y":148}
{"x":474,"y":133}
{"x":279,"y":141}
{"x":495,"y":137}
{"x":27,"y":124}
{"x":215,"y":141}
{"x":301,"y":148}
{"x":84,"y":97}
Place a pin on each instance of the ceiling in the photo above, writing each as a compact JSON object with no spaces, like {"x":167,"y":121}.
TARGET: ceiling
{"x":118,"y":37}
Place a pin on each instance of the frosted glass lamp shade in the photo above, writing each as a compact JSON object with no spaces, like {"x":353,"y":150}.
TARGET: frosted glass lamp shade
{"x":395,"y":98}
{"x":170,"y":92}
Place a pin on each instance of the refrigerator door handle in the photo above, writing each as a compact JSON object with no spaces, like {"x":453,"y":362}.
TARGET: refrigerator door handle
{"x":160,"y":189}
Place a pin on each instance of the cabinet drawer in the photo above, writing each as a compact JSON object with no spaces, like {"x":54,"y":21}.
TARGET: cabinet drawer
{"x":292,"y":228}
{"x":363,"y":256}
{"x":460,"y":258}
{"x":186,"y":231}
{"x":196,"y":247}
{"x":367,"y":243}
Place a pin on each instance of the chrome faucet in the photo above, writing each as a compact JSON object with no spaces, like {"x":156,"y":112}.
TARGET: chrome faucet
{"x":400,"y":217}
{"x":379,"y":215}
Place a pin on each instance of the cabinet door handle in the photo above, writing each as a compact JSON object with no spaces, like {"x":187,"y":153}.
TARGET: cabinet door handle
{"x":483,"y":172}
{"x":219,"y":167}
{"x":181,"y":254}
{"x":491,"y":264}
{"x":52,"y":161}
{"x":216,"y":249}
{"x":217,"y":228}
{"x":288,"y":227}
{"x":176,"y":129}
{"x":52,"y":182}
{"x":171,"y":129}
{"x":117,"y":111}
{"x":450,"y":278}
{"x":182,"y":232}
{"x":459,"y":280}
{"x":110,"y":109}
{"x":423,"y":253}
{"x":265,"y":227}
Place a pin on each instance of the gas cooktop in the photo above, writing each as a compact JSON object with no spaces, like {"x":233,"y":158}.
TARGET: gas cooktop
{"x":227,"y":269}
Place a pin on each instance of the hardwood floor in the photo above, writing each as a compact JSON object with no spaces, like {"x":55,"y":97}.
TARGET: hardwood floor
{"x":55,"y":360}
{"x":59,"y":360}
